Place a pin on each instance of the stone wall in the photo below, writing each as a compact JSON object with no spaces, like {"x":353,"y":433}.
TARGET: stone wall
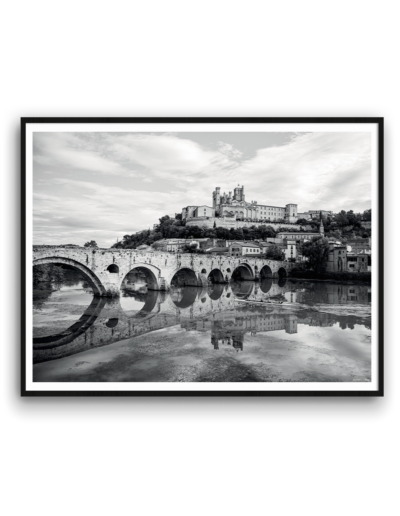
{"x":158,"y":267}
{"x":222,"y":222}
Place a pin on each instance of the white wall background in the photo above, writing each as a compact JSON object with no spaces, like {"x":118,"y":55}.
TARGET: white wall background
{"x":197,"y":456}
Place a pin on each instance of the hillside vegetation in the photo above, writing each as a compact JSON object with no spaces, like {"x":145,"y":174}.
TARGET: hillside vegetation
{"x":342,"y":226}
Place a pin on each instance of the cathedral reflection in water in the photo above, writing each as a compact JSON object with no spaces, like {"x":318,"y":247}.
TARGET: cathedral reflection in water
{"x":216,"y":309}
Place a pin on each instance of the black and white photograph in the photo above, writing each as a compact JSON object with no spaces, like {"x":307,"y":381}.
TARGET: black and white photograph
{"x":200,"y":257}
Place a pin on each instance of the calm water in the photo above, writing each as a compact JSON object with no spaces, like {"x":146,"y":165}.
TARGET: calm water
{"x":203,"y":335}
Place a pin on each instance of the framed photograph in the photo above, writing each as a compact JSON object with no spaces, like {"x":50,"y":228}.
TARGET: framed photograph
{"x":202,"y":256}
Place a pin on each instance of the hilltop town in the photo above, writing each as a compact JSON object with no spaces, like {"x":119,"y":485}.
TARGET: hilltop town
{"x":229,"y":211}
{"x":234,"y":227}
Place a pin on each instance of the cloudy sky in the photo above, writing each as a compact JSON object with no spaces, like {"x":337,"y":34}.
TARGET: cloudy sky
{"x":101,"y":186}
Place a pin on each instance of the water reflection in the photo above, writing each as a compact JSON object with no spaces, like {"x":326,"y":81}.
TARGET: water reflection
{"x":183,"y":297}
{"x":217,"y":312}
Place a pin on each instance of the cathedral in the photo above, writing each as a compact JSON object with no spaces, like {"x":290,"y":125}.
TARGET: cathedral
{"x":237,"y":208}
{"x":233,"y":212}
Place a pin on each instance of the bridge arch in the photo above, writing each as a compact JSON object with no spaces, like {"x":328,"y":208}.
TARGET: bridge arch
{"x":282,"y":281}
{"x":112,"y":323}
{"x":266,"y":284}
{"x":243,"y":289}
{"x":150,"y":272}
{"x":184,"y":277}
{"x":81,"y":326}
{"x":150,"y":301}
{"x":113,"y":268}
{"x":216,"y":276}
{"x":243,"y":272}
{"x":282,"y":272}
{"x":93,"y":280}
{"x":184,"y":298}
{"x":216,"y":291}
{"x":266,"y":272}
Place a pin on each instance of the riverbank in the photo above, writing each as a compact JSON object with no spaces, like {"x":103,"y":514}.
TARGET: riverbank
{"x":348,"y":277}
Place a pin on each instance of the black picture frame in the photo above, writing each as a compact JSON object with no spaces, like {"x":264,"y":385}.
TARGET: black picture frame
{"x":379,"y":121}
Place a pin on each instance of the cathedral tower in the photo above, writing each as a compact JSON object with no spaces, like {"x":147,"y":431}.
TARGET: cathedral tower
{"x":238,"y":193}
{"x":216,"y":199}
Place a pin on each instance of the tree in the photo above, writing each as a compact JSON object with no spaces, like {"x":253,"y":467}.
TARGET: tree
{"x":317,"y":252}
{"x":190,"y":247}
{"x":92,"y":243}
{"x":341,"y":218}
{"x":274,"y":252}
{"x":237,"y":234}
{"x":353,"y":219}
{"x":367,"y":215}
{"x":164,"y":219}
{"x":302,"y":222}
{"x":47,"y":274}
{"x":222,"y":233}
{"x":267,"y":232}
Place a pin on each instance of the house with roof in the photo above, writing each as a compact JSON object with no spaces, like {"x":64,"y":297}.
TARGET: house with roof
{"x":358,"y":262}
{"x":356,"y":246}
{"x":244,"y":249}
{"x":302,"y":235}
{"x":337,"y":258}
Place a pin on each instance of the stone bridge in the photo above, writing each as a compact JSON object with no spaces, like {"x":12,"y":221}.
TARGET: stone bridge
{"x":106,"y":269}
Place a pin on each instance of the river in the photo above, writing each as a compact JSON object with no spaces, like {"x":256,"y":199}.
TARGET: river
{"x":321,"y":333}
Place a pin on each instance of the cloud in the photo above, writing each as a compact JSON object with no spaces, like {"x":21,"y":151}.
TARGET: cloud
{"x":229,"y":150}
{"x":73,"y":151}
{"x":104,"y":185}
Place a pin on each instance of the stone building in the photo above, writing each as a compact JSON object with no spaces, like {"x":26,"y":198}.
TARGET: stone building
{"x":204,"y":211}
{"x":226,"y":205}
{"x":302,"y":235}
{"x":297,"y":235}
{"x":316,"y":214}
{"x":337,"y":258}
{"x":290,"y":249}
{"x":357,"y":262}
{"x":233,"y":211}
{"x":244,"y":249}
{"x":359,"y":245}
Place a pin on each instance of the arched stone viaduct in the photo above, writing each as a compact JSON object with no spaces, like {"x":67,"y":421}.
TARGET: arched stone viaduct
{"x":106,"y":269}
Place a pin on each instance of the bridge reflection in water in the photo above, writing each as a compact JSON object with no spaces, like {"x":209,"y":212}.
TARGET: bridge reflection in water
{"x":216,"y":309}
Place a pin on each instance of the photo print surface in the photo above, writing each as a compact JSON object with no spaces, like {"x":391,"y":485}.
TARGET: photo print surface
{"x":220,"y":257}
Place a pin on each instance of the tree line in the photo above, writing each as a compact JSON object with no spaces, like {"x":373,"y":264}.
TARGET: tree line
{"x":343,"y":225}
{"x":176,"y":228}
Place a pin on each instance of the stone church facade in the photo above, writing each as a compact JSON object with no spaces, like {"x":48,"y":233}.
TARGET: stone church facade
{"x":229,"y":211}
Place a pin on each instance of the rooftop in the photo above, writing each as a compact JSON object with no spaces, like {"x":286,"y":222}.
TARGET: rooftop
{"x":299,"y":232}
{"x":217,"y":249}
{"x":245,"y":244}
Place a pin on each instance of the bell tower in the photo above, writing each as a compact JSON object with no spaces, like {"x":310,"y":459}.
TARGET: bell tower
{"x":321,"y":226}
{"x":216,"y":199}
